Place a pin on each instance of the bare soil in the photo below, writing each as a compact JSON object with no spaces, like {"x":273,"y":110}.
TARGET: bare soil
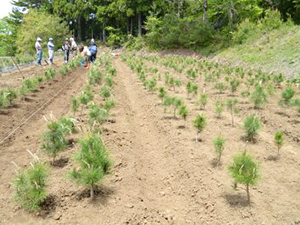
{"x":160,"y":175}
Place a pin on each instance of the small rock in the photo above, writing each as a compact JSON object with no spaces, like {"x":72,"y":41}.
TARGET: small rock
{"x":162,"y":193}
{"x":129,"y":206}
{"x":57,"y":216}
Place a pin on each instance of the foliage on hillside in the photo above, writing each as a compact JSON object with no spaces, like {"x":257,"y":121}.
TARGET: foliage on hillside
{"x":39,"y":24}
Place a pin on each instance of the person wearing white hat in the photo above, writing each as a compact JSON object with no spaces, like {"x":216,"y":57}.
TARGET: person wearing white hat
{"x":93,"y":50}
{"x":39,"y":51}
{"x":50,"y":46}
{"x":73,"y":47}
{"x":66,"y":47}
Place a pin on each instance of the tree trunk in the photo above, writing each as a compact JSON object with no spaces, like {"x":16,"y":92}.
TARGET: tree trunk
{"x":205,"y":7}
{"x":179,"y":7}
{"x":79,"y":30}
{"x":248,"y":193}
{"x":131,"y":26}
{"x":139,"y":24}
{"x":231,"y":13}
{"x":103,"y":34}
{"x":92,"y":192}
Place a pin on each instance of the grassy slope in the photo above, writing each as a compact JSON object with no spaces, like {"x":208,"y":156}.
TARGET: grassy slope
{"x":277,"y":51}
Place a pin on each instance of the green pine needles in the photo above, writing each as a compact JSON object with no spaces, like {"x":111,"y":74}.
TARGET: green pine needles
{"x":31,"y":186}
{"x":244,"y":171}
{"x":279,"y":140}
{"x":252,"y":125}
{"x":199,"y":123}
{"x":94,"y":162}
{"x":219,"y":143}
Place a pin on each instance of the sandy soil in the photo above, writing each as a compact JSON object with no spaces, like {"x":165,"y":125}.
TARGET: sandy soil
{"x":160,"y":175}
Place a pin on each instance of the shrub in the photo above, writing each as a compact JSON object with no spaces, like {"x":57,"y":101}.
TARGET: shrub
{"x":183,"y":112}
{"x":259,"y":97}
{"x":191,"y":88}
{"x":231,"y":106}
{"x":220,"y":86}
{"x":252,"y":125}
{"x":219,"y":147}
{"x":219,"y":108}
{"x":30,"y":185}
{"x":279,"y":140}
{"x":104,"y":92}
{"x":54,"y":140}
{"x":203,"y":100}
{"x":234,"y":84}
{"x":109,"y":81}
{"x":95,"y":76}
{"x":109,"y":104}
{"x":93,"y":160}
{"x":75,"y":105}
{"x":50,"y":74}
{"x":97,"y":115}
{"x":199,"y":123}
{"x":162,"y":93}
{"x":10,"y":95}
{"x":176,"y":102}
{"x":244,"y":171}
{"x":287,"y":95}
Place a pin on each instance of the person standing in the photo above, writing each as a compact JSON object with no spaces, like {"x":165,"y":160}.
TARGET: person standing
{"x":93,"y":50}
{"x":39,"y":51}
{"x":50,"y":46}
{"x":66,"y":48}
{"x":73,"y":47}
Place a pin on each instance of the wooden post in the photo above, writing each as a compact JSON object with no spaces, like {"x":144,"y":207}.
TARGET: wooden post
{"x":16,"y":65}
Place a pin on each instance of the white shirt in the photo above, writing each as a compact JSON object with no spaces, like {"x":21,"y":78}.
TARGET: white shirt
{"x":86,"y":51}
{"x":38,"y":46}
{"x":73,"y":45}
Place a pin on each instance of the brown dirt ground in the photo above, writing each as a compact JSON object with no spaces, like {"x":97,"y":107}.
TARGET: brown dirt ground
{"x":160,"y":175}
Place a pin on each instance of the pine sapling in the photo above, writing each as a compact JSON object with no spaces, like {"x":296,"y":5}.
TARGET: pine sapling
{"x":109,"y":104}
{"x":252,"y":125}
{"x":203,"y":100}
{"x":219,"y":108}
{"x":183,"y":111}
{"x":94,"y":162}
{"x":234,"y":84}
{"x":279,"y":140}
{"x":53,"y":140}
{"x":244,"y":171}
{"x":219,"y":147}
{"x":177,"y":102}
{"x":259,"y":97}
{"x":75,"y":105}
{"x":286,"y":96}
{"x":162,"y":93}
{"x":10,"y":95}
{"x":104,"y":92}
{"x":199,"y":123}
{"x":31,"y":185}
{"x":231,"y":106}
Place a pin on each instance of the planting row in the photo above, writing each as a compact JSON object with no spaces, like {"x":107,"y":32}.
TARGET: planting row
{"x":7,"y":96}
{"x":91,"y":108}
{"x":244,"y":169}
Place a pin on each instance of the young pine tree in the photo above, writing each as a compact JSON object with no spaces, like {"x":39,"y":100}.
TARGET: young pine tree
{"x":259,"y":97}
{"x":31,"y":186}
{"x":252,"y":125}
{"x":287,"y":96}
{"x":203,"y":101}
{"x":219,"y":147}
{"x":231,"y":106}
{"x":244,"y":171}
{"x":279,"y":140}
{"x":219,"y":108}
{"x":183,"y":111}
{"x":94,"y":162}
{"x":53,"y":140}
{"x":199,"y":123}
{"x":74,"y":105}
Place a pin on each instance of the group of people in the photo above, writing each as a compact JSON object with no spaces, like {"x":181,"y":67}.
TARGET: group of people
{"x":68,"y":46}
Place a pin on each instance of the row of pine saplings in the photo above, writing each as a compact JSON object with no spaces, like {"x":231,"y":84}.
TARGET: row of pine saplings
{"x":31,"y":85}
{"x":92,"y":156}
{"x":265,"y":85}
{"x":244,"y":169}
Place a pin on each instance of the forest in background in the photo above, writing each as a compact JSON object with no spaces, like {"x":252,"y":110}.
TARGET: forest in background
{"x":161,"y":24}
